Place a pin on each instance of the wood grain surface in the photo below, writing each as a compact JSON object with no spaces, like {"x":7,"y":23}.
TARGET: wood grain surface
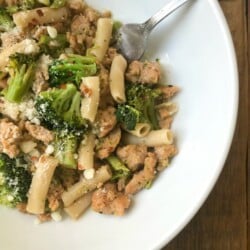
{"x":222,"y":222}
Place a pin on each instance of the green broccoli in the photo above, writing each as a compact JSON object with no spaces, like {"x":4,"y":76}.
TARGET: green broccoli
{"x":128,"y":116}
{"x":71,"y":69}
{"x":118,"y":168}
{"x":53,"y":46}
{"x":22,"y":70}
{"x":139,"y":107}
{"x":65,"y":146}
{"x":15,"y":180}
{"x":32,"y":4}
{"x":6,"y":22}
{"x":59,"y":110}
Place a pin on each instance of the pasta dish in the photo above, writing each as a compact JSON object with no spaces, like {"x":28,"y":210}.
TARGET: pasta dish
{"x":80,"y":126}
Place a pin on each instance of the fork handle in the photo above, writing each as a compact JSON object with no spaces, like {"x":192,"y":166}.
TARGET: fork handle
{"x":170,"y":7}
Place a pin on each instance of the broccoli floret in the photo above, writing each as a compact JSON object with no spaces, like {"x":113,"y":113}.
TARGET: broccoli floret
{"x":118,"y":168}
{"x":71,"y":69}
{"x":53,"y":46}
{"x":57,"y":4}
{"x":59,"y":109}
{"x":128,"y":116}
{"x":6,"y":22}
{"x":22,"y":70}
{"x":65,"y":146}
{"x":15,"y":180}
{"x":141,"y":98}
{"x":31,"y":4}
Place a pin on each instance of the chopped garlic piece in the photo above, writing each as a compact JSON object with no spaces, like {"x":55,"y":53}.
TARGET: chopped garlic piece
{"x":89,"y":173}
{"x":56,"y":216}
{"x":49,"y":150}
{"x":52,"y":31}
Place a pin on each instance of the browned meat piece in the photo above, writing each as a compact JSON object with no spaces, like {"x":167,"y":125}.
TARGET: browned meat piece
{"x":40,"y":133}
{"x":132,"y":155}
{"x":163,"y":153}
{"x":142,"y":178}
{"x":165,"y":120}
{"x":68,"y":177}
{"x":44,"y":217}
{"x":105,"y":95}
{"x":108,"y":200}
{"x":76,"y":5}
{"x":83,"y":31}
{"x":80,"y":24}
{"x":169,"y":91}
{"x":54,"y":195}
{"x":12,"y":37}
{"x":166,"y":123}
{"x":3,"y":83}
{"x":143,"y":72}
{"x":108,"y":58}
{"x":21,"y":207}
{"x":10,"y":135}
{"x":106,"y":121}
{"x":108,"y":144}
{"x":91,"y":14}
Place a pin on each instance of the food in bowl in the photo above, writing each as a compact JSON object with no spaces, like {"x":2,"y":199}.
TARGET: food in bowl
{"x":80,"y":126}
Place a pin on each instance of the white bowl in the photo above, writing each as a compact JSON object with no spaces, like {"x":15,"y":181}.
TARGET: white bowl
{"x":194,"y":44}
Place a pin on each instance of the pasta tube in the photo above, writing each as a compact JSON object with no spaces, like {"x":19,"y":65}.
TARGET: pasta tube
{"x":44,"y":15}
{"x":84,"y":186}
{"x":141,"y":130}
{"x":102,"y":37}
{"x":86,"y":153}
{"x":90,"y":87}
{"x":40,"y":184}
{"x":76,"y":209}
{"x":116,"y":78}
{"x":152,"y":139}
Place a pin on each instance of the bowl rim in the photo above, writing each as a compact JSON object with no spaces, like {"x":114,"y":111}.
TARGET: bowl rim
{"x":230,"y":49}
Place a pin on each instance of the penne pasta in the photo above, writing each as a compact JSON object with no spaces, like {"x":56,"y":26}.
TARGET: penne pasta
{"x":40,"y":184}
{"x":102,"y":37}
{"x":44,"y":15}
{"x":84,"y":186}
{"x":86,"y":153}
{"x":152,"y":139}
{"x":141,"y":130}
{"x":90,"y":87}
{"x":27,"y":46}
{"x":76,"y":209}
{"x":116,"y":79}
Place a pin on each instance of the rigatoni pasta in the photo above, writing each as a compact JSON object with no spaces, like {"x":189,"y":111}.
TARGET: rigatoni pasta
{"x":102,"y":175}
{"x":86,"y":152}
{"x":40,"y":184}
{"x":152,"y":139}
{"x":40,"y":16}
{"x":90,"y":88}
{"x":76,"y":209}
{"x":102,"y":37}
{"x":116,"y":78}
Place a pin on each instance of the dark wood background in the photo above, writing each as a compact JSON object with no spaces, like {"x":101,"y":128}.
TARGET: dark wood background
{"x":222,"y":222}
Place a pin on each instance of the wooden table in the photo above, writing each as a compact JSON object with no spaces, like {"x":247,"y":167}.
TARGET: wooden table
{"x":222,"y":222}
